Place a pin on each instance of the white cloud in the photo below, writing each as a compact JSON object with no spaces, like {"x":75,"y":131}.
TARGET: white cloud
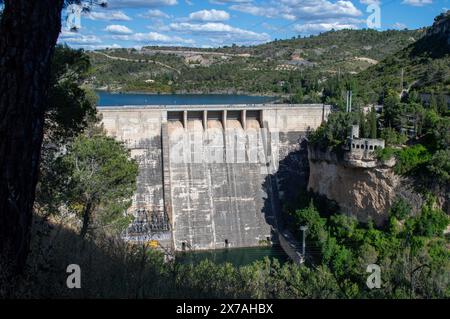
{"x":80,"y":39}
{"x":68,"y":34}
{"x":417,"y":3}
{"x":210,"y":15}
{"x":268,"y":12}
{"x":158,"y":25}
{"x":229,"y":1}
{"x":302,"y":9}
{"x":313,"y":28}
{"x":220,"y":33}
{"x":98,"y":47}
{"x":369,"y":2}
{"x":154,"y":13}
{"x":152,"y":37}
{"x":118,"y":29}
{"x":140,"y":3}
{"x":313,"y":15}
{"x":399,"y":25}
{"x":108,"y":16}
{"x":268,"y":26}
{"x":313,"y":9}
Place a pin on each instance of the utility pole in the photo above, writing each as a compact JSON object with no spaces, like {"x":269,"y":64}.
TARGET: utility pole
{"x":401,"y":80}
{"x":350,"y":105}
{"x":303,"y":229}
{"x":349,"y":101}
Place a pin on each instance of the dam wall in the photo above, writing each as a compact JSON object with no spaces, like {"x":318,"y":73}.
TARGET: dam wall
{"x":209,"y":172}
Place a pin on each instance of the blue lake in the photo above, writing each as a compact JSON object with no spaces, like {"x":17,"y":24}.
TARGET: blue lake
{"x":119,"y":99}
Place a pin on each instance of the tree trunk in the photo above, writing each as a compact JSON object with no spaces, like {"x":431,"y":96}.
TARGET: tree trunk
{"x":86,"y":219}
{"x":28,"y":34}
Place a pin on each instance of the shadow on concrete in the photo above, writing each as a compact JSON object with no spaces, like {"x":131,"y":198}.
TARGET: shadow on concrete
{"x":283,"y":187}
{"x":287,"y":191}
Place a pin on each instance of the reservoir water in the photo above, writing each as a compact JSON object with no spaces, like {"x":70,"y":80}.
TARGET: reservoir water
{"x":122,"y":99}
{"x":236,"y":256}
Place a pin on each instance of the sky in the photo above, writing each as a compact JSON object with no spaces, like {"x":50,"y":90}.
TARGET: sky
{"x":216,"y":23}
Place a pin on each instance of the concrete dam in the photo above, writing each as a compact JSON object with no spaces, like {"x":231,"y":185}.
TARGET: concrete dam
{"x":211,"y":175}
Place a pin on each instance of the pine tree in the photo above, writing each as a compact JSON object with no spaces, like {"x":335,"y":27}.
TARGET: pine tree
{"x":433,"y":102}
{"x":442,"y":106}
{"x":362,"y":125}
{"x":373,"y":123}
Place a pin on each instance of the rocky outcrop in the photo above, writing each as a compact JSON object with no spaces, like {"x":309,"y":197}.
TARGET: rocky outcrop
{"x":364,"y":189}
{"x":441,"y":26}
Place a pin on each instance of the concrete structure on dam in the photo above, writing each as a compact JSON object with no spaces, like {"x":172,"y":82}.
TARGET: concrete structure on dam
{"x":210,"y":174}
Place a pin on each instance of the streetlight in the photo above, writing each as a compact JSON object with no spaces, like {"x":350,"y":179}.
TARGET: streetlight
{"x":303,"y":229}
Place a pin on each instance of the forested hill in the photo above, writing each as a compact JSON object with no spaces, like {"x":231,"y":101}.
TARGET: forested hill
{"x":294,"y":66}
{"x":337,"y":48}
{"x":332,"y":46}
{"x":424,"y":64}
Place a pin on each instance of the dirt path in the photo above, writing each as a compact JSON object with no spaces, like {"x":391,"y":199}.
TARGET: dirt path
{"x":137,"y":61}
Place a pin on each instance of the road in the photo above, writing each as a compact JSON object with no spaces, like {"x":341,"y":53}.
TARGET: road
{"x":137,"y":61}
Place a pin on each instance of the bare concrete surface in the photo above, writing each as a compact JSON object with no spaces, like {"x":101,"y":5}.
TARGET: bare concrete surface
{"x":214,"y":172}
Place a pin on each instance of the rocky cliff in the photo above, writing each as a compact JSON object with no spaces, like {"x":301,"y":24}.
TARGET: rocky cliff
{"x":441,"y":27}
{"x":364,"y":189}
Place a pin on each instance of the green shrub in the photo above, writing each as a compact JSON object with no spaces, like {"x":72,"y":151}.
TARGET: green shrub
{"x":384,"y":154}
{"x":392,"y":137}
{"x":335,"y":131}
{"x":400,"y":209}
{"x":310,"y":217}
{"x":439,"y":166}
{"x":410,"y":158}
{"x":431,"y":222}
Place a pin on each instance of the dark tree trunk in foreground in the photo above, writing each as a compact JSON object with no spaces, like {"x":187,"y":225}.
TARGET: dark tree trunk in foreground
{"x":28,"y":33}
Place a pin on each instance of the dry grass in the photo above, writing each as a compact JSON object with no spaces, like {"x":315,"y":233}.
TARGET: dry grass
{"x":110,"y":268}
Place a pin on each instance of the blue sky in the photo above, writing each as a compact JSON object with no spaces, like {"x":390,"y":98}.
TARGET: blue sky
{"x":214,"y":23}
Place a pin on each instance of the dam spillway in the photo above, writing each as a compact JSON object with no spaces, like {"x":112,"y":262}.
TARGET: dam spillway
{"x":206,"y":170}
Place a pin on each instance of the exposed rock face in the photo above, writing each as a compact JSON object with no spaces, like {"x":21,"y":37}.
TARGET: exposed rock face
{"x":364,"y":193}
{"x":361,"y":190}
{"x":441,"y":26}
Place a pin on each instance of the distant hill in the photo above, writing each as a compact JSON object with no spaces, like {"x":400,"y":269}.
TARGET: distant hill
{"x":279,"y":67}
{"x":343,"y":46}
{"x":424,"y":65}
{"x":339,"y":49}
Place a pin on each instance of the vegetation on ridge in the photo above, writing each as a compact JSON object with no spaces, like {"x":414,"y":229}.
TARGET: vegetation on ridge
{"x":295,"y":67}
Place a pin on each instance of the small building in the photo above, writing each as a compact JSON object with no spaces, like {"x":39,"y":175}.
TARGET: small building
{"x":367,"y":109}
{"x":365,"y":144}
{"x":363,"y":147}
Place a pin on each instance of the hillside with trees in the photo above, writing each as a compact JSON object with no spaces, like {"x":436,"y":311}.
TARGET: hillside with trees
{"x":296,"y":66}
{"x":421,"y":67}
{"x":417,"y":135}
{"x":416,"y":130}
